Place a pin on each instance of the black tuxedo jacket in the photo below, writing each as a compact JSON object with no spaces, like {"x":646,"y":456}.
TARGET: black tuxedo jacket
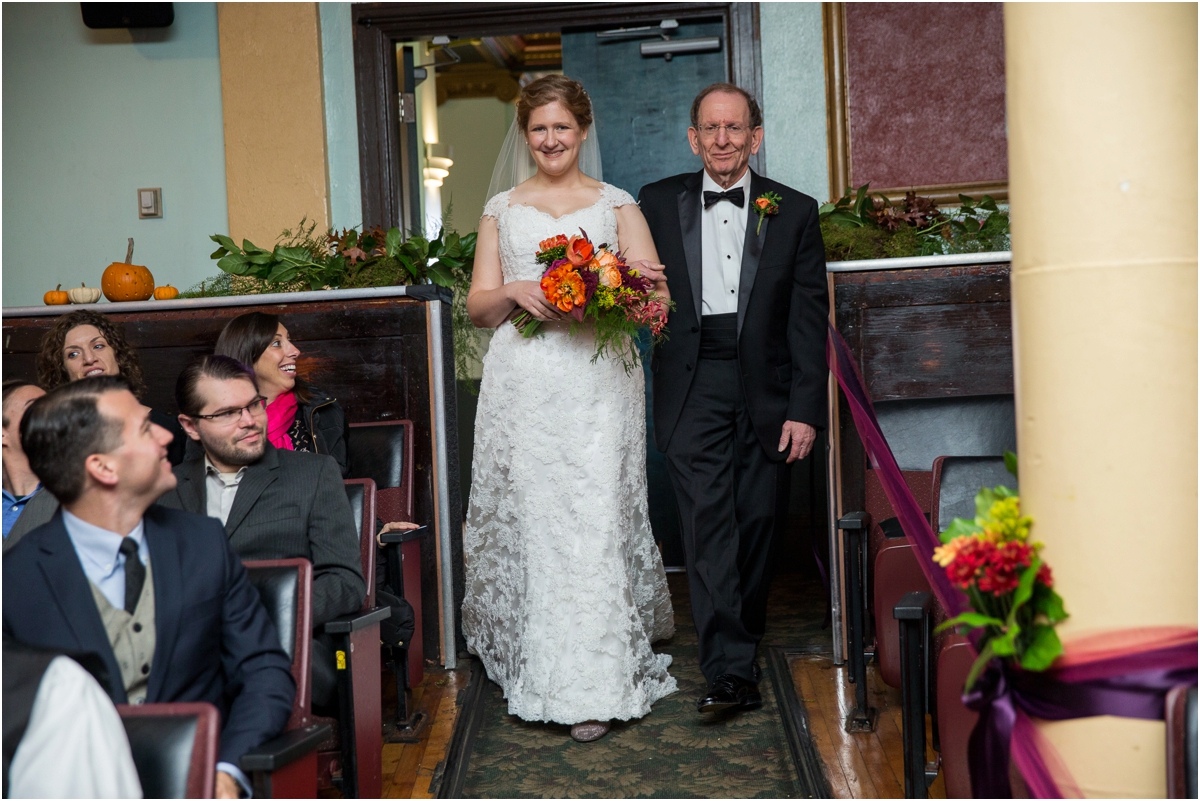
{"x":289,"y":505}
{"x":783,"y":307}
{"x":214,"y":640}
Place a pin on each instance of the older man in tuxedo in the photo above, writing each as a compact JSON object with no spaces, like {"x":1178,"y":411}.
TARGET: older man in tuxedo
{"x":158,"y":594}
{"x":740,"y":385}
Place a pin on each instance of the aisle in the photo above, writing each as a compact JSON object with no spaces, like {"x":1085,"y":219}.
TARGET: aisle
{"x":672,"y":752}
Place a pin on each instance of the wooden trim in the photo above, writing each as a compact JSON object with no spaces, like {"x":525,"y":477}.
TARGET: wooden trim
{"x":837,"y":116}
{"x":378,"y":26}
{"x":837,"y":122}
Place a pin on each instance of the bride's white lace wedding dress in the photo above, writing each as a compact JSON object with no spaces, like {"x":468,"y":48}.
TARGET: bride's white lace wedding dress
{"x":565,"y":588}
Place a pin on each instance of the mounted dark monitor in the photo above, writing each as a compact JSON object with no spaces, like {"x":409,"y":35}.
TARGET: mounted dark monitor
{"x":128,"y":15}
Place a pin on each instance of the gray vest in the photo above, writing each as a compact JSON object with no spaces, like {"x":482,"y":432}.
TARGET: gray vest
{"x":132,"y":637}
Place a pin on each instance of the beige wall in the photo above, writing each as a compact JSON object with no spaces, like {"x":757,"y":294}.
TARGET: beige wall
{"x":271,"y":86}
{"x":1102,"y":155}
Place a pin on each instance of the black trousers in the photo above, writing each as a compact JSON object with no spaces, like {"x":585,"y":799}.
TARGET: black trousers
{"x":729,"y":495}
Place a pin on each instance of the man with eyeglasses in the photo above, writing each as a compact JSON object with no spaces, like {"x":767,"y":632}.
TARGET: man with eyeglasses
{"x":740,"y":384}
{"x":274,"y":504}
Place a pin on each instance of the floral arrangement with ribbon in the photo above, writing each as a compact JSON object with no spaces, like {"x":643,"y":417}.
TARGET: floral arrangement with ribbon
{"x":1010,"y":589}
{"x":592,"y":283}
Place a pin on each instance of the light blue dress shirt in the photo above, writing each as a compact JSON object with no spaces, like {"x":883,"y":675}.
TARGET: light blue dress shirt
{"x":13,"y":506}
{"x":99,"y":552}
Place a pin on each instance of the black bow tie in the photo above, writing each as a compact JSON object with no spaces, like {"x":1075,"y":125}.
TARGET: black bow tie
{"x":736,"y":196}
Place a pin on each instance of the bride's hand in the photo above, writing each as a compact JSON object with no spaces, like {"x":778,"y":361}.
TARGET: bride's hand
{"x":655,"y":272}
{"x":528,"y":295}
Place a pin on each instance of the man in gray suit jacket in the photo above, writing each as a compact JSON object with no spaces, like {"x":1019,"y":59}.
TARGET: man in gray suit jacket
{"x":275,"y":504}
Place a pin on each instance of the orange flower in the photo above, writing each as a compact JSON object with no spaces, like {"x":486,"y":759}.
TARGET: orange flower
{"x":579,"y":251}
{"x":762,"y":203}
{"x":610,"y":276}
{"x":552,"y":242}
{"x":606,"y":259}
{"x":564,"y":288}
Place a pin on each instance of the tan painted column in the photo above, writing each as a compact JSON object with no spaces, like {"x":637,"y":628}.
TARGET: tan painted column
{"x":1102,"y":160}
{"x":272,"y":99}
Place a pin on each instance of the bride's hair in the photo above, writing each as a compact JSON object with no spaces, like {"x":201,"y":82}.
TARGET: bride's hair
{"x":550,"y":89}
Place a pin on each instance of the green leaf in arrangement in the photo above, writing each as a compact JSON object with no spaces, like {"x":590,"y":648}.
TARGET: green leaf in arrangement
{"x":966,"y":201}
{"x":234,"y":263}
{"x":260,"y":258}
{"x":1042,"y":650}
{"x":960,"y":527}
{"x":826,"y":208}
{"x":845,"y":218}
{"x":441,"y":276}
{"x":973,"y":620}
{"x":1010,"y":463}
{"x":988,"y":204}
{"x":983,"y":502}
{"x":224,"y":242}
{"x":393,"y":241}
{"x":1006,"y":643}
{"x":281,"y":272}
{"x":218,"y":253}
{"x":1024,"y":591}
{"x":977,"y":667}
{"x":1049,"y":603}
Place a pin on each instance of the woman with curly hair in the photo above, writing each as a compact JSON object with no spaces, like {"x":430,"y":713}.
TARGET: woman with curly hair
{"x":83,"y":344}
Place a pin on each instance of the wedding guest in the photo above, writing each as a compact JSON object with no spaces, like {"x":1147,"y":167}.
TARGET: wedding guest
{"x":83,"y":344}
{"x":299,"y":417}
{"x":273,"y":503}
{"x":20,"y":483}
{"x":158,"y":593}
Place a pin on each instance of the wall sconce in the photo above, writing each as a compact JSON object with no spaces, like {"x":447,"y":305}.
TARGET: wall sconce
{"x":438,"y":161}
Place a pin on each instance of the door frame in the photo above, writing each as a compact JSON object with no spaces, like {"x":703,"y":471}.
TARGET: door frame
{"x":379,"y":26}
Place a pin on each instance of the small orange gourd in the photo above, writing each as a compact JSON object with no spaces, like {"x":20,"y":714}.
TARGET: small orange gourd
{"x":166,"y":292}
{"x":127,"y":281}
{"x":56,"y":297}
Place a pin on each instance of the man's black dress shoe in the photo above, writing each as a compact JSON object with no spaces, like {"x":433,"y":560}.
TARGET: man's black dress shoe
{"x":730,"y":692}
{"x":757,"y":672}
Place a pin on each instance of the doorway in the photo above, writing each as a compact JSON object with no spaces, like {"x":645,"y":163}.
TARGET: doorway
{"x":437,"y":85}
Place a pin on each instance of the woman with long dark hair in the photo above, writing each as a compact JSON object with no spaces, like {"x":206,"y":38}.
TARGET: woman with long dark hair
{"x":299,"y":417}
{"x":85,"y":343}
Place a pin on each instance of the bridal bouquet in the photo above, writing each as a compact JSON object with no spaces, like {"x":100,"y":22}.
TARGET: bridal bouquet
{"x":593,"y":283}
{"x":1010,"y":588}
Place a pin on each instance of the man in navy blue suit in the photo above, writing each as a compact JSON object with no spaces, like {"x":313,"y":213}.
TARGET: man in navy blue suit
{"x":157,"y":593}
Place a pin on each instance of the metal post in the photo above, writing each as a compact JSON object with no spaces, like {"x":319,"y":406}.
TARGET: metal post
{"x":835,"y":564}
{"x":855,"y":527}
{"x":913,"y":613}
{"x":437,"y":377}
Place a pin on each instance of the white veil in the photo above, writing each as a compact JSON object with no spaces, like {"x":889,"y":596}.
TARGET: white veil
{"x":515,"y":163}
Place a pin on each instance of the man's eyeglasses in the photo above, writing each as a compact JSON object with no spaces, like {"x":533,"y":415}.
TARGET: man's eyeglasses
{"x":255,"y":406}
{"x":735,"y":131}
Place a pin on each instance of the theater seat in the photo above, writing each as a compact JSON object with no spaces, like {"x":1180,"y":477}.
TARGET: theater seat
{"x":174,"y":748}
{"x":955,"y":721}
{"x":956,"y":481}
{"x":286,"y":767}
{"x":897,"y":574}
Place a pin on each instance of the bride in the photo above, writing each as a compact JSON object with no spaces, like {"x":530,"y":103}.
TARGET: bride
{"x":565,"y":589}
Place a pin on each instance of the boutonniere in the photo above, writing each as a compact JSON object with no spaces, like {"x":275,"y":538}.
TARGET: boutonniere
{"x":766,"y":205}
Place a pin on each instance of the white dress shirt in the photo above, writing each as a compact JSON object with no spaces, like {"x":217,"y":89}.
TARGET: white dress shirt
{"x":220,"y":489}
{"x":722,"y":239}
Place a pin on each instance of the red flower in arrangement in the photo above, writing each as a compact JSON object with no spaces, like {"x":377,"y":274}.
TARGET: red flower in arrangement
{"x":557,"y":241}
{"x":1044,"y":577}
{"x":1003,"y":570}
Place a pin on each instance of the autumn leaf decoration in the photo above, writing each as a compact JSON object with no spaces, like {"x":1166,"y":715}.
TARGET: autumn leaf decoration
{"x":766,"y":205}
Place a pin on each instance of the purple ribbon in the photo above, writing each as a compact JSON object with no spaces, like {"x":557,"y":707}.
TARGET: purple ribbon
{"x":1129,"y":683}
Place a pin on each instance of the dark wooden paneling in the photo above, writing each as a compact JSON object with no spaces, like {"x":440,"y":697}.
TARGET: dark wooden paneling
{"x":372,"y":355}
{"x":923,"y":333}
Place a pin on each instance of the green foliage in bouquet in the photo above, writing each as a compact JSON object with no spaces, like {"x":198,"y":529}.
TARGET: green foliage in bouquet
{"x":1009,"y":587}
{"x":871,"y":226}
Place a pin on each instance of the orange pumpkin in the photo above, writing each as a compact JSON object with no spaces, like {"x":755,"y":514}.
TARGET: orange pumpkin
{"x":123,"y":281}
{"x":167,"y":292}
{"x":56,"y":297}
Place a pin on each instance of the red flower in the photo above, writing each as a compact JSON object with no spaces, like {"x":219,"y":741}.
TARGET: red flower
{"x":1045,"y":577}
{"x":971,"y":557}
{"x":1003,"y":571}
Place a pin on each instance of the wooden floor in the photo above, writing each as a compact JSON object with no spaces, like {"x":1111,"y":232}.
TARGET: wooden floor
{"x":857,"y":765}
{"x":409,"y":768}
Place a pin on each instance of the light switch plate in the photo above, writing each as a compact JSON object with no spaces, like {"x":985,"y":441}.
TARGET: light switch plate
{"x":149,"y":203}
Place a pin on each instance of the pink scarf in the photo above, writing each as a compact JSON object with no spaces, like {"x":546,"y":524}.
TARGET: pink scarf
{"x":281,"y":413}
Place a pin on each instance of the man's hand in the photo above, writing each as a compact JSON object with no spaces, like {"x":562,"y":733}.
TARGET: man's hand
{"x":655,"y":272}
{"x":801,"y":436}
{"x":227,"y":786}
{"x":395,"y":525}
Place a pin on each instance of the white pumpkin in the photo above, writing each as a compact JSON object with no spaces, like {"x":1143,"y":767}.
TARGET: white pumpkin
{"x":84,"y":294}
